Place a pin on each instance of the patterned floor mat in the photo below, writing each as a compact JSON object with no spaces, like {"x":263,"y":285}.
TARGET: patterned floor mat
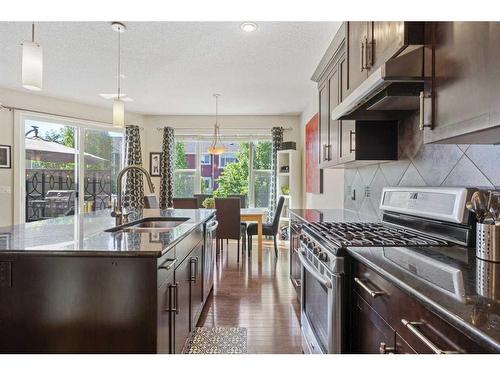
{"x":217,"y":340}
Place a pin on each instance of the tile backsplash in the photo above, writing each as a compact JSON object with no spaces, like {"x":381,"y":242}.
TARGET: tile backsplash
{"x":421,"y":165}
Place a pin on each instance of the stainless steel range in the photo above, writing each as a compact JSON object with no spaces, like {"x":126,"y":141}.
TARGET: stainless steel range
{"x":427,"y":217}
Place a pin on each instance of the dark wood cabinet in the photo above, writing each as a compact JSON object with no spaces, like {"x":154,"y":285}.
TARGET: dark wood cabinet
{"x":195,"y":285}
{"x":386,"y":39}
{"x":357,"y":38}
{"x":396,"y":322}
{"x":182,"y":298}
{"x":333,"y":125}
{"x":367,"y":142}
{"x":461,"y":98}
{"x":165,"y":303}
{"x":371,"y":334}
{"x":324,"y":118}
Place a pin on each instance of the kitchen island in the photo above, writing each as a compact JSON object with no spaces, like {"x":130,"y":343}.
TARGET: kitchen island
{"x":68,"y":285}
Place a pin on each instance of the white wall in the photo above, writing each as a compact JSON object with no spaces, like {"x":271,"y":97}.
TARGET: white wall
{"x":35,"y":102}
{"x":333,"y":179}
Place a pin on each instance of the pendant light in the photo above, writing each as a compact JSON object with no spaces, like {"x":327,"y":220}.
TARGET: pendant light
{"x":118,"y":104}
{"x":217,"y":147}
{"x":32,"y":64}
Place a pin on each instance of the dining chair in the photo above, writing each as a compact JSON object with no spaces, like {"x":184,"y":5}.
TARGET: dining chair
{"x":268,"y":229}
{"x":228,"y":215}
{"x":241,"y":197}
{"x":186,"y":203}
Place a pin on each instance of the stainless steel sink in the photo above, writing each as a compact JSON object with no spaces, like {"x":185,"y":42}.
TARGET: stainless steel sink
{"x":150,"y":224}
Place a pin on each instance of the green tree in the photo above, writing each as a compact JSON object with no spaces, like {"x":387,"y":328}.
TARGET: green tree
{"x":180,"y":156}
{"x":262,"y":155}
{"x":234,"y":177}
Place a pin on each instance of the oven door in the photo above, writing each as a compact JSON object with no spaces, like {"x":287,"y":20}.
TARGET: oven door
{"x":321,"y":309}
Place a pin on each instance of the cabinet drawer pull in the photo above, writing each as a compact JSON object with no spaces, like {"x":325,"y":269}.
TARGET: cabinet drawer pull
{"x":194,"y":273}
{"x":425,"y":119}
{"x":352,"y":144}
{"x":371,"y":292}
{"x":384,"y":349}
{"x":173,"y":300}
{"x":412,"y":327}
{"x":368,"y":54}
{"x":171,"y":263}
{"x":362,"y":56}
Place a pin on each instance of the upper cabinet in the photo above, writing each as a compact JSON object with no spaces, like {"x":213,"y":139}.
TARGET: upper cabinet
{"x":466,"y":85}
{"x":357,"y":40}
{"x":371,"y":44}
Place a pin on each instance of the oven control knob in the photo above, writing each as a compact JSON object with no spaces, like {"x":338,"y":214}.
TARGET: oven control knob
{"x":316,"y":250}
{"x":323,"y":257}
{"x":310,"y":245}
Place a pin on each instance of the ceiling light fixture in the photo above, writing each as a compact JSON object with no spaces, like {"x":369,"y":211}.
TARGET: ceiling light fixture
{"x":118,"y":104}
{"x":32,"y":64}
{"x":217,"y":147}
{"x":248,"y":27}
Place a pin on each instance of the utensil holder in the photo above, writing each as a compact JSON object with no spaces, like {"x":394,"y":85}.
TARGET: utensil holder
{"x":488,"y":242}
{"x":487,"y":279}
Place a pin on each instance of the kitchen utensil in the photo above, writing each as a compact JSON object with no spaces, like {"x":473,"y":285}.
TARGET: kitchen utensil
{"x":479,"y":204}
{"x":488,"y":242}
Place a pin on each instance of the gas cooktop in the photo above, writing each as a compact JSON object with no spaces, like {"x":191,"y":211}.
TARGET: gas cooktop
{"x":370,"y":234}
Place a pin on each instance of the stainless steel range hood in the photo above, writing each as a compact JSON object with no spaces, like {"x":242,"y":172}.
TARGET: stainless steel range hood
{"x":390,"y":91}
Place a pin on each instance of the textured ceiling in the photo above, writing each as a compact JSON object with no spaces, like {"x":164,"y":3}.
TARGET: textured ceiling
{"x":174,"y":67}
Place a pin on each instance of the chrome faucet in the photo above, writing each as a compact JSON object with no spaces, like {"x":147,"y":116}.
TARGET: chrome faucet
{"x":118,"y":210}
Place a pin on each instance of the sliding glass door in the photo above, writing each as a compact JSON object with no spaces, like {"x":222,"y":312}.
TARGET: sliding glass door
{"x":69,"y":167}
{"x":51,"y":179}
{"x":102,"y":162}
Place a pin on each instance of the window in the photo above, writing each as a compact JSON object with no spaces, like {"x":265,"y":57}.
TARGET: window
{"x":227,"y":158}
{"x":205,"y":159}
{"x":244,"y":169}
{"x":70,"y":166}
{"x":184,"y":169}
{"x":261,"y":173}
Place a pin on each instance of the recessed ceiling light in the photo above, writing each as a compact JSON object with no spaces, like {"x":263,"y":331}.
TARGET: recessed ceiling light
{"x":248,"y":26}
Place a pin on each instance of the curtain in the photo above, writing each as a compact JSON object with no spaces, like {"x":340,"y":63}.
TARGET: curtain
{"x":167,"y":169}
{"x":277,"y":140}
{"x":134,"y":189}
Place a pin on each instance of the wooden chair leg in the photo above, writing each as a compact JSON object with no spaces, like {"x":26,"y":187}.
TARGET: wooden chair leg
{"x":238,"y":250}
{"x":275,"y":246}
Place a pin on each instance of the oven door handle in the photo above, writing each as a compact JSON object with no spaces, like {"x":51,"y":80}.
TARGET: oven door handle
{"x":310,"y":268}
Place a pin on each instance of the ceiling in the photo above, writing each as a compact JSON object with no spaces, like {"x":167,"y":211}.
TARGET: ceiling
{"x":175,"y":67}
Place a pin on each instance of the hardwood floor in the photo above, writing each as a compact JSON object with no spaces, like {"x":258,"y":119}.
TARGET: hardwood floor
{"x":257,"y":296}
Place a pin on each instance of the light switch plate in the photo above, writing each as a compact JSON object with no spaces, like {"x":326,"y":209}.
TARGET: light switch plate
{"x":5,"y":189}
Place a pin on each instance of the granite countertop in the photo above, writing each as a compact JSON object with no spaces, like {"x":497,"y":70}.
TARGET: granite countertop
{"x":464,"y":305}
{"x":461,"y":303}
{"x":84,"y":234}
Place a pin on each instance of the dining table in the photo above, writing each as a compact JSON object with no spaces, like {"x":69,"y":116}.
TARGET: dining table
{"x":255,"y":215}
